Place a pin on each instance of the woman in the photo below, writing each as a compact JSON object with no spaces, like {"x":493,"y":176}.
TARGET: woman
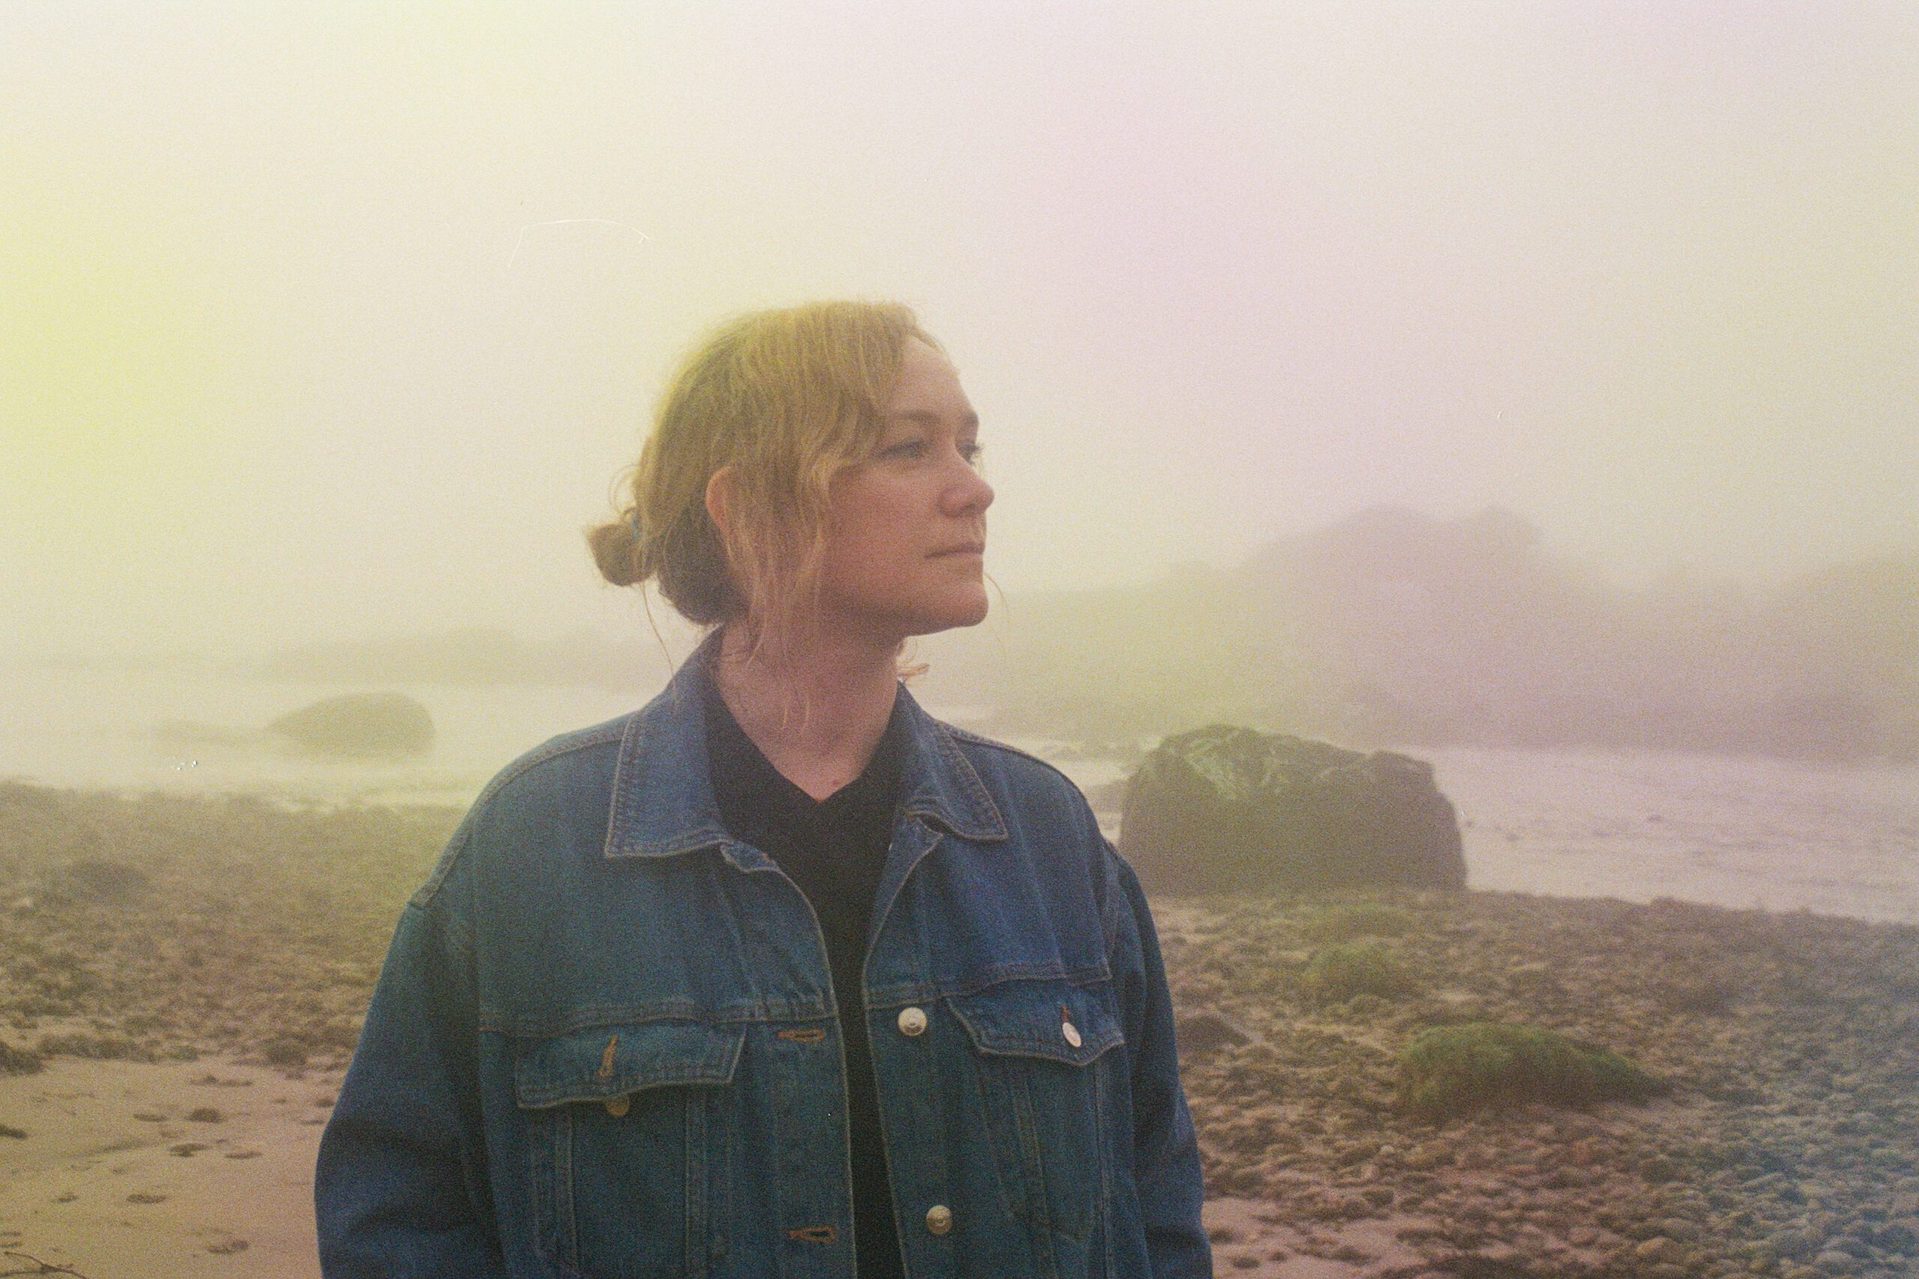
{"x":778,"y":974}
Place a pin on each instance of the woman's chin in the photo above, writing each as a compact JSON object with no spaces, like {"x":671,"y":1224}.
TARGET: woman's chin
{"x":961,"y":613}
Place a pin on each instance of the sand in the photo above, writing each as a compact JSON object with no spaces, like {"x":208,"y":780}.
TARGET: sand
{"x":188,"y":974}
{"x":151,"y":1169}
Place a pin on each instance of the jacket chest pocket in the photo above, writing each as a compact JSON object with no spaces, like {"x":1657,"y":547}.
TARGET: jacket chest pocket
{"x":628,"y":1143}
{"x":1041,"y":1051}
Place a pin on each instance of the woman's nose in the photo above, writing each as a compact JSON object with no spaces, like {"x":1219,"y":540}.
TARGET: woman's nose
{"x":969,"y":491}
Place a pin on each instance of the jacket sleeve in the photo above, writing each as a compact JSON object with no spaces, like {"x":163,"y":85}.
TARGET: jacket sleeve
{"x":1166,"y":1165}
{"x":401,"y":1189}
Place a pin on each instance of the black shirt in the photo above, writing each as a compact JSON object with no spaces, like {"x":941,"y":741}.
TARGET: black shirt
{"x":835,"y":850}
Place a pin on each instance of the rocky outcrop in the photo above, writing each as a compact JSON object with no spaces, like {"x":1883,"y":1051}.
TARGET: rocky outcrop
{"x":359,"y":724}
{"x":1224,"y":809}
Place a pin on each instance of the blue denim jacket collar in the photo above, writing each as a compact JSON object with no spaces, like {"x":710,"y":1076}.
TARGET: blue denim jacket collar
{"x":663,"y":801}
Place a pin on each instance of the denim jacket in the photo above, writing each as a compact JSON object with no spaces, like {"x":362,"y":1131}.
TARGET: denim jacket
{"x":605,"y":1045}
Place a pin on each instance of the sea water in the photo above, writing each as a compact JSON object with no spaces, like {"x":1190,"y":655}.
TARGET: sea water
{"x":1729,"y":831}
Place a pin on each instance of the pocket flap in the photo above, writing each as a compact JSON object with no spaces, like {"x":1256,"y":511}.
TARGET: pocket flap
{"x":1039,"y":1019}
{"x":603,"y":1062}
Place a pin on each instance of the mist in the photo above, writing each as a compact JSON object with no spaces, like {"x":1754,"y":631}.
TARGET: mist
{"x":326,"y":325}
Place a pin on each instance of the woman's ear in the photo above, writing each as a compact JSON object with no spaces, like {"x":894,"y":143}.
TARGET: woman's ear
{"x":719,"y":498}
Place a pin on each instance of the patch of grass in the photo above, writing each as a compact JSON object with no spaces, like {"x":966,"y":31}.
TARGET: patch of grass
{"x":1338,"y":973}
{"x":1449,"y":1071}
{"x":1711,"y":993}
{"x":1350,"y":922}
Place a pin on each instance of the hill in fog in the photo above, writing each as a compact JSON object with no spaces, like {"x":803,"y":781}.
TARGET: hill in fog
{"x":1398,"y":627}
{"x":1389,"y":627}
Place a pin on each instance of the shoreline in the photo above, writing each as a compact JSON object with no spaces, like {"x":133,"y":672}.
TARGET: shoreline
{"x":150,"y":944}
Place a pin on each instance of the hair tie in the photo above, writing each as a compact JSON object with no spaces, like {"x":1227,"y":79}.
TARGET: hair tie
{"x":633,"y":526}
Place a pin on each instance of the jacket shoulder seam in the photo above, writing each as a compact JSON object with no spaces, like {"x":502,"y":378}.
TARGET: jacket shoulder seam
{"x":976,"y":739}
{"x":554,"y":748}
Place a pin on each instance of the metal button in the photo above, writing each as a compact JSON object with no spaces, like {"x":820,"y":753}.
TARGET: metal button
{"x":939,"y":1219}
{"x":1071,"y":1033}
{"x":912,"y":1021}
{"x":617,"y":1106}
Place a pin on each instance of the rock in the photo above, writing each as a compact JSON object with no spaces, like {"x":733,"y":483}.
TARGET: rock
{"x":1205,"y":1032}
{"x":19,"y":1061}
{"x":1659,"y":1248}
{"x":1224,"y":809}
{"x":359,"y":724}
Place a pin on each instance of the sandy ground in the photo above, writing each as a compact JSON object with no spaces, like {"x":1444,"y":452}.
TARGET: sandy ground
{"x":136,"y":1170}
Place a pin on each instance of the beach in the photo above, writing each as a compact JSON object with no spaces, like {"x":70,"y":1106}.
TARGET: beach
{"x":182,"y":978}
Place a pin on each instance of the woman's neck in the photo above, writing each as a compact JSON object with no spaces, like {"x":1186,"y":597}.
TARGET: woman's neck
{"x":818,"y":714}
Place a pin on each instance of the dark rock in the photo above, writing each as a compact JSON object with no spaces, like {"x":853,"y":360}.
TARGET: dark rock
{"x":19,"y":1061}
{"x":99,"y":879}
{"x":360,"y":724}
{"x":1225,"y":809}
{"x":1205,"y":1032}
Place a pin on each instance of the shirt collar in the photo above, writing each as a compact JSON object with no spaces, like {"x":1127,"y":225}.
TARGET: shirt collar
{"x":663,"y":788}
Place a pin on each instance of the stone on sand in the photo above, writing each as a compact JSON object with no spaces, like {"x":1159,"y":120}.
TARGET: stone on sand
{"x":1225,"y":809}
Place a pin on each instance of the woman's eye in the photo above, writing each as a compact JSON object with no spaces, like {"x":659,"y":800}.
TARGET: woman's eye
{"x":971,"y":452}
{"x":905,"y":448}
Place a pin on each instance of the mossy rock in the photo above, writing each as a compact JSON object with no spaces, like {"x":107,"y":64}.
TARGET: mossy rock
{"x":359,"y":724}
{"x":1227,"y":809}
{"x":1453,"y":1070}
{"x":1339,"y":973}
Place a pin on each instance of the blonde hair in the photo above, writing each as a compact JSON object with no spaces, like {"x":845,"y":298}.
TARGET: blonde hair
{"x":787,"y":398}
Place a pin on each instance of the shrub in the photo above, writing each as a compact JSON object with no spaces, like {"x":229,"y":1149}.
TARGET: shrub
{"x":1359,"y":919}
{"x":1452,"y":1070}
{"x":1338,"y":973}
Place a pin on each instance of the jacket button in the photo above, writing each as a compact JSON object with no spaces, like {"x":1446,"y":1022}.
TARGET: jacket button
{"x":617,"y":1106}
{"x":1070,"y":1033}
{"x":912,"y":1021}
{"x":939,"y":1219}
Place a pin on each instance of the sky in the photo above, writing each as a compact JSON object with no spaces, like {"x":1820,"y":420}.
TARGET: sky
{"x":325,"y":320}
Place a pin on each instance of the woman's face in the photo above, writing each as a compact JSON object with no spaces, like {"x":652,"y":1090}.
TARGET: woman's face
{"x":906,"y":527}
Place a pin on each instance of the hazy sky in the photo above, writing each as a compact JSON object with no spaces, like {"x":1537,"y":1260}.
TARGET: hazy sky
{"x":319,"y":320}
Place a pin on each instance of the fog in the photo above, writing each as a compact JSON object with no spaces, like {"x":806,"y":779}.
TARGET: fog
{"x":323,"y":323}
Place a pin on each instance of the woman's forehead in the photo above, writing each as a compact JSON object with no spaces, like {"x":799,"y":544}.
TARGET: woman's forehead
{"x":929,"y":383}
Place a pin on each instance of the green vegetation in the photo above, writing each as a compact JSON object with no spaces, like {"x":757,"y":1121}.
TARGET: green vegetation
{"x":1449,"y":1071}
{"x":1338,"y":973}
{"x":1352,"y":921}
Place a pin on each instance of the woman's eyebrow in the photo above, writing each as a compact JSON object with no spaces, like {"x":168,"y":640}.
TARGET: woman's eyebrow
{"x":931,"y":418}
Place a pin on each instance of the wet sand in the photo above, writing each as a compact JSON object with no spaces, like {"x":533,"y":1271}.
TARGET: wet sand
{"x":173,"y":1168}
{"x":189,"y":975}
